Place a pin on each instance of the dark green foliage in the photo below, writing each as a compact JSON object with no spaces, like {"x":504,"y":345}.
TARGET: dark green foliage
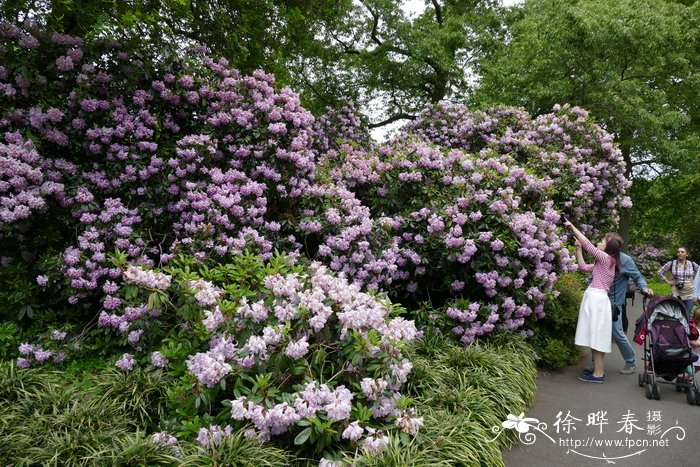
{"x":662,"y":210}
{"x":9,"y":340}
{"x":554,"y":335}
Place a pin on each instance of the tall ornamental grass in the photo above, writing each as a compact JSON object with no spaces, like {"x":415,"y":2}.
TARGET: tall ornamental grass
{"x":52,"y":418}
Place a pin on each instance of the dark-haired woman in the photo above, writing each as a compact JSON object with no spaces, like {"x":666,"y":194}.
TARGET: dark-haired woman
{"x":594,"y":325}
{"x":682,"y":274}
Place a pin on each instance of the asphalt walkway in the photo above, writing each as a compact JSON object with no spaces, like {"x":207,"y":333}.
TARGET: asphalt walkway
{"x":587,"y":424}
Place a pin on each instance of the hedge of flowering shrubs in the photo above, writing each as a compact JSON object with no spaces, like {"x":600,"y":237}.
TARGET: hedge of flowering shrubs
{"x":473,"y":201}
{"x":106,"y":161}
{"x":114,"y":170}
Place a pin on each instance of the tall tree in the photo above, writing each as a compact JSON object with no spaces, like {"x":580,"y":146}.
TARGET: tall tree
{"x":370,"y":51}
{"x":393,"y":64}
{"x":634,"y":64}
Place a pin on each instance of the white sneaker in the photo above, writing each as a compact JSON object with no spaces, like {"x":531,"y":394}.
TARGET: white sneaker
{"x":628,"y":369}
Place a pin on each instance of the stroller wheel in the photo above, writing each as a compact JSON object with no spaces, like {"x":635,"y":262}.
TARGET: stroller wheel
{"x":641,"y":380}
{"x":655,"y":392}
{"x":697,"y":396}
{"x":691,"y":396}
{"x":648,"y":391}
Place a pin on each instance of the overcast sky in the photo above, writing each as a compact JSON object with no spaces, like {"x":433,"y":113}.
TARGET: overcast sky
{"x":411,"y":6}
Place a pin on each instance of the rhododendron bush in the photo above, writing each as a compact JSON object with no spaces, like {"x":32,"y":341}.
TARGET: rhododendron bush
{"x":205,"y":162}
{"x":563,"y":148}
{"x":111,"y":163}
{"x":474,"y":200}
{"x":297,"y":352}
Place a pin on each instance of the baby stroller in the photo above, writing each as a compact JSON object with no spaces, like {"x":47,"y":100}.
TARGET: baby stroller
{"x":668,"y":359}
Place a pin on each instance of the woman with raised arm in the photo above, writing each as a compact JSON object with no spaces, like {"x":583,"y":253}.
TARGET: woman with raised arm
{"x":594,"y":325}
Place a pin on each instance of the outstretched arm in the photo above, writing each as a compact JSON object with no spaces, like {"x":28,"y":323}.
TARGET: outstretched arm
{"x":586,"y":244}
{"x":631,"y":270}
{"x":577,"y":233}
{"x":579,"y":258}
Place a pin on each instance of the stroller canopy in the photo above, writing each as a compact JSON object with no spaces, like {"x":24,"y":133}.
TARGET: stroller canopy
{"x":666,"y":308}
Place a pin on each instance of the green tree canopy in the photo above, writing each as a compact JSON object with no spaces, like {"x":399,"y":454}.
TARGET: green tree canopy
{"x":371,"y":51}
{"x":634,"y":64}
{"x":378,"y":54}
{"x":250,"y":34}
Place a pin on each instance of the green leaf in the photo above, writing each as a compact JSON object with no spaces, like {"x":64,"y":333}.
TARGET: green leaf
{"x":303,"y":436}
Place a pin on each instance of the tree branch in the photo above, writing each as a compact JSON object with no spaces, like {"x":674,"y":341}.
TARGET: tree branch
{"x":374,"y":35}
{"x":392,"y":119}
{"x":375,"y":24}
{"x":642,"y":162}
{"x":438,"y":12}
{"x":346,"y":48}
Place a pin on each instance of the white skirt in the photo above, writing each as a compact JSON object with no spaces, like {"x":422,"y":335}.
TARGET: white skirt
{"x":594,"y":327}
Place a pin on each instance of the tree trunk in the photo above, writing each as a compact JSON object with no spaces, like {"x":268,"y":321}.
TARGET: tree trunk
{"x":626,"y":214}
{"x":624,"y":227}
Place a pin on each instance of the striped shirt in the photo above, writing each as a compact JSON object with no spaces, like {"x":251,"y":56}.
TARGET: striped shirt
{"x":684,"y":273}
{"x":602,"y":269}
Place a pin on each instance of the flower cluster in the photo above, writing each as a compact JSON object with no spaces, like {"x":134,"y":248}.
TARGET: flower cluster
{"x":344,"y":346}
{"x":31,"y":354}
{"x":126,"y":362}
{"x":146,"y":278}
{"x":55,"y":350}
{"x":212,"y":436}
{"x":649,"y":258}
{"x":23,"y":185}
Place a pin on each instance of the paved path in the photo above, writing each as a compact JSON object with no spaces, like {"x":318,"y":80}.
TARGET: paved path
{"x":641,"y":428}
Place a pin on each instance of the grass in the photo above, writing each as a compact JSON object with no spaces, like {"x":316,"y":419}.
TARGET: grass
{"x":659,"y":288}
{"x":102,"y":419}
{"x":46,"y":419}
{"x":462,"y":393}
{"x":102,"y":416}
